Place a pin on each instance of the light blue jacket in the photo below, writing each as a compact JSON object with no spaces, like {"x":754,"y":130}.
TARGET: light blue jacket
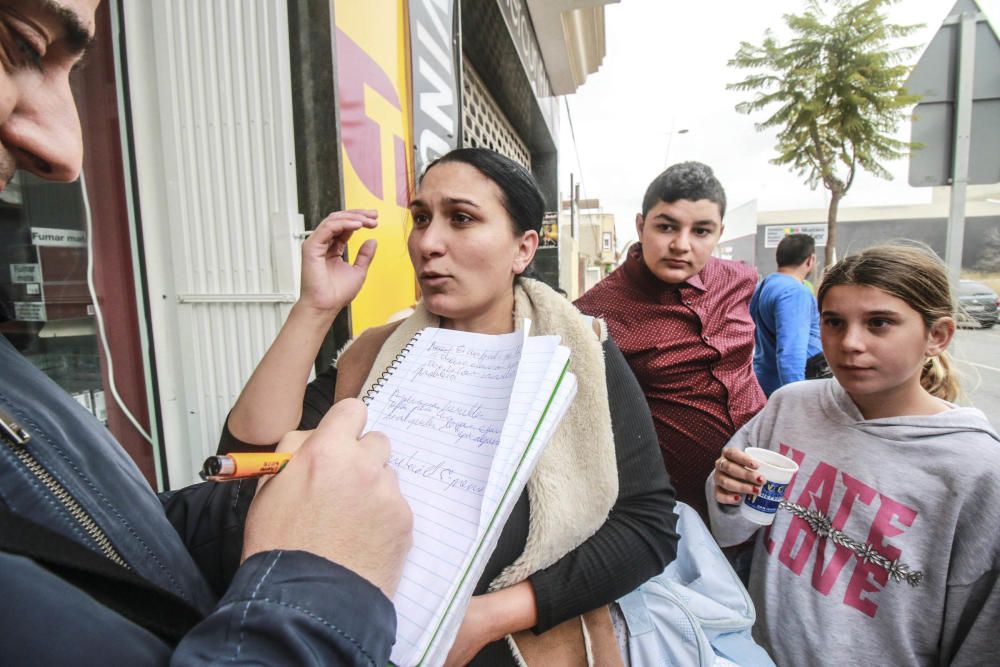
{"x":696,"y":612}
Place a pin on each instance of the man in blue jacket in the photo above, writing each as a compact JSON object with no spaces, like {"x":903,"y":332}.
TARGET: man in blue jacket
{"x":785,"y":314}
{"x":95,"y":567}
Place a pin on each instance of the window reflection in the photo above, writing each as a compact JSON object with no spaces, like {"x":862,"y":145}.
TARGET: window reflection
{"x":45,"y":306}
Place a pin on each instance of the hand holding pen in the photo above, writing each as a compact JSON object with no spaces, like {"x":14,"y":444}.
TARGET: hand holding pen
{"x":336,"y":498}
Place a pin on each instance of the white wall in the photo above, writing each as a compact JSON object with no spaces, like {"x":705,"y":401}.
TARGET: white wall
{"x":214,"y":152}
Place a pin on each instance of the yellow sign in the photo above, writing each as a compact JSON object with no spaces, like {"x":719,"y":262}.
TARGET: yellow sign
{"x":377,"y":163}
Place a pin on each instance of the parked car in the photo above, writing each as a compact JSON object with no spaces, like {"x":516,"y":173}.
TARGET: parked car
{"x":978,"y":303}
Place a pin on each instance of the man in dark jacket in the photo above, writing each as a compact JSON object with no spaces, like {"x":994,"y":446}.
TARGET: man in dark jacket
{"x":96,"y":568}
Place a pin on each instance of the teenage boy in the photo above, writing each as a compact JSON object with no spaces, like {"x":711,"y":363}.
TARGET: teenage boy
{"x":680,"y":316}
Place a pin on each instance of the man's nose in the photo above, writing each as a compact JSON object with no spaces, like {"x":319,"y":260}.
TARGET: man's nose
{"x":43,"y":132}
{"x":681,"y":242}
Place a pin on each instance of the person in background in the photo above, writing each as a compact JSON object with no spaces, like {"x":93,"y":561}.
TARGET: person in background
{"x":884,"y":536}
{"x":596,"y":519}
{"x":94,"y":566}
{"x":680,"y":317}
{"x":785,"y":314}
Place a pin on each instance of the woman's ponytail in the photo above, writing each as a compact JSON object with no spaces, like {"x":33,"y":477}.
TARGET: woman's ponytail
{"x":938,"y":378}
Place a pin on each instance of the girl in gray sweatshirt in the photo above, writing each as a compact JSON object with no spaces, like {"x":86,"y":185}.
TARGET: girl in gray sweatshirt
{"x":886,"y":549}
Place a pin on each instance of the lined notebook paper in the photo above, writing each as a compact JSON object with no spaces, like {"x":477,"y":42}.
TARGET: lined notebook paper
{"x":468,"y":416}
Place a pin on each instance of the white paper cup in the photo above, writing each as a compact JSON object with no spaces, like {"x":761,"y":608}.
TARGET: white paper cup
{"x":777,"y":471}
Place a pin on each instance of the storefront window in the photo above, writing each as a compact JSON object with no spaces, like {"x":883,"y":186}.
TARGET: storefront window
{"x":45,"y":306}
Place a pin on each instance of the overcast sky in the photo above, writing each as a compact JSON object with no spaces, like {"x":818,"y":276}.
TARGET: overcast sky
{"x":665,"y":71}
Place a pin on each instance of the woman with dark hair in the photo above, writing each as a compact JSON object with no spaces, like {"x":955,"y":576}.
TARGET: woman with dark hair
{"x":596,"y":518}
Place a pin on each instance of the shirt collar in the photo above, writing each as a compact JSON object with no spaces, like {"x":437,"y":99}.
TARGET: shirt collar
{"x":638,"y":272}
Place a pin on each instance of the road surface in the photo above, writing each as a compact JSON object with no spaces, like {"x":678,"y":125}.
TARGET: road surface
{"x":976,"y":353}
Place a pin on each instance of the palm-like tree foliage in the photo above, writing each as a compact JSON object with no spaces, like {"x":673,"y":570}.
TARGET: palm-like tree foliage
{"x":837,"y":87}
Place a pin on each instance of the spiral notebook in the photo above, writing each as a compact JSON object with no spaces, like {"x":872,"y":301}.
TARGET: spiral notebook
{"x":468,"y":416}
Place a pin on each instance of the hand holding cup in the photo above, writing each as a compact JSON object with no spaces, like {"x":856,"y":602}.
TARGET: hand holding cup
{"x":735,"y":475}
{"x":757,"y":478}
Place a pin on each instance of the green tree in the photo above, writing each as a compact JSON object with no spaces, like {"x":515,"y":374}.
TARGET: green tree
{"x":837,"y":83}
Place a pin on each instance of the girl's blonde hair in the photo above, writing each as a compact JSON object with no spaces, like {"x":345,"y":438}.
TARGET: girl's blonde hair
{"x":915,"y":275}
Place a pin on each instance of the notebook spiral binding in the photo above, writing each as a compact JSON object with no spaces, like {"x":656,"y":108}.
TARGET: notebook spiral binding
{"x":382,"y":379}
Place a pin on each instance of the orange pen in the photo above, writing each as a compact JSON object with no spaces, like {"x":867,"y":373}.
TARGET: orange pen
{"x":243,"y":464}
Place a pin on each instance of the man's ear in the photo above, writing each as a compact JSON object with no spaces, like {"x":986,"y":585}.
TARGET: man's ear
{"x":939,"y":336}
{"x":526,"y":248}
{"x":638,"y":225}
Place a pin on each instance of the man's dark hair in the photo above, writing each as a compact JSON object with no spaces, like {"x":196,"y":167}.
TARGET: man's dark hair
{"x":685,"y":180}
{"x":794,"y":249}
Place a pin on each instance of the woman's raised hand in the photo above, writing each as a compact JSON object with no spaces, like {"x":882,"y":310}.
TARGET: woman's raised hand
{"x":732,"y":477}
{"x":329,"y":282}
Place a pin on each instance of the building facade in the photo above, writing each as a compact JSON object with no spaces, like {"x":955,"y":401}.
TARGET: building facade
{"x":588,"y":246}
{"x":217,"y":134}
{"x":864,"y":226}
